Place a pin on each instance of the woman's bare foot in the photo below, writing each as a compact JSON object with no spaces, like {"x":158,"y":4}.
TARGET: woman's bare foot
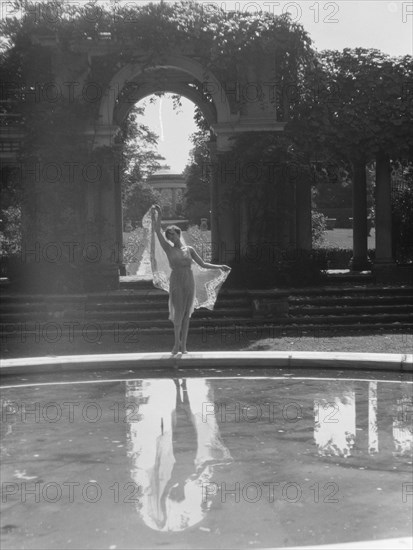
{"x":175,"y":350}
{"x":184,"y":351}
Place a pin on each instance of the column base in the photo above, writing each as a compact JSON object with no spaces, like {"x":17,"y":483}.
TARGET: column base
{"x":360,"y":264}
{"x":45,"y":278}
{"x":101,"y":277}
{"x":390,"y":272}
{"x":69,"y":278}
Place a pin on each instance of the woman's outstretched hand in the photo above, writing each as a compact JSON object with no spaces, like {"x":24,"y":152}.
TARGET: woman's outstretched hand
{"x":225,"y":268}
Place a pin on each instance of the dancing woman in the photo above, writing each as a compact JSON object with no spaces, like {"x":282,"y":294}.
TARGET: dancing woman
{"x":182,"y":284}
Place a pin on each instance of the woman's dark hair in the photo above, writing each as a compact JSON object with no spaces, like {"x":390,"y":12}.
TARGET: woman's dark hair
{"x":172,"y":228}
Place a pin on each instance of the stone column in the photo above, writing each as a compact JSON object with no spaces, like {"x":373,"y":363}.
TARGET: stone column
{"x":101,"y":268}
{"x":303,"y":214}
{"x":209,"y":172}
{"x":359,"y":261}
{"x":227,"y":211}
{"x":384,"y":254}
{"x":119,"y":218}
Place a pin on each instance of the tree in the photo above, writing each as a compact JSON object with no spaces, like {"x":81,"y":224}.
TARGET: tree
{"x":197,"y":175}
{"x":139,"y":160}
{"x":355,"y":108}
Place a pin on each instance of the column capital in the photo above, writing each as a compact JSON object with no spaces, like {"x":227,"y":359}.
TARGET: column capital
{"x":103,"y":135}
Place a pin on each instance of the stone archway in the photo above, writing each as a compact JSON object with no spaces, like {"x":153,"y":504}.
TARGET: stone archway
{"x":226,"y":117}
{"x":231,"y":108}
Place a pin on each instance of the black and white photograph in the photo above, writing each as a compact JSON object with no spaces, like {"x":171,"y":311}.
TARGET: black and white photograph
{"x":206,"y":274}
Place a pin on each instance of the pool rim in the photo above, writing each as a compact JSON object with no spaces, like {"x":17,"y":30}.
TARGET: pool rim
{"x":388,"y":362}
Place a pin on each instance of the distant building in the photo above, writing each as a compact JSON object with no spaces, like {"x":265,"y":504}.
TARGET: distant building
{"x":171,"y":188}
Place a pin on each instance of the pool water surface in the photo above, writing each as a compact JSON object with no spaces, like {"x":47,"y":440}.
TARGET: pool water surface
{"x":206,"y":462}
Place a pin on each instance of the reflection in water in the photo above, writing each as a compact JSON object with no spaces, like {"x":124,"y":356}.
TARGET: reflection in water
{"x":373,"y":442}
{"x":173,"y":448}
{"x":335,"y":422}
{"x":402,"y":426}
{"x":173,"y":455}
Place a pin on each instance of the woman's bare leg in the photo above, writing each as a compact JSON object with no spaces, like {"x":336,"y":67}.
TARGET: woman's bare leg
{"x":177,"y":331}
{"x":185,"y":327}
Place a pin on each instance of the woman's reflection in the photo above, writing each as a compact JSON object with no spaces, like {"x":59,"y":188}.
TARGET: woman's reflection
{"x":174,"y":448}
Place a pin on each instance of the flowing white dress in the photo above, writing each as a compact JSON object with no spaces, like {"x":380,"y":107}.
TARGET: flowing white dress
{"x":181,"y":284}
{"x":189,"y":285}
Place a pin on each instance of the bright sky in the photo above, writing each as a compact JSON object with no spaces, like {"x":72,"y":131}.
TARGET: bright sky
{"x":173,"y":128}
{"x":385,"y":25}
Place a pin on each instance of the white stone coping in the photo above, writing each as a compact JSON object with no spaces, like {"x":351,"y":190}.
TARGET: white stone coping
{"x":383,"y":544}
{"x":210,"y":359}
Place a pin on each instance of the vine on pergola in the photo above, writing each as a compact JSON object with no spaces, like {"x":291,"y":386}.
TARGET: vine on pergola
{"x":350,"y":103}
{"x":223,"y":42}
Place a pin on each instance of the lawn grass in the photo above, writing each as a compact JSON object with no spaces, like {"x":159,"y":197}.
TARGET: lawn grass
{"x":343,"y":238}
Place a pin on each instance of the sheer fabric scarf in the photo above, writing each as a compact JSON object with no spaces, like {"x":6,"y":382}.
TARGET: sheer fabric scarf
{"x":207,"y":281}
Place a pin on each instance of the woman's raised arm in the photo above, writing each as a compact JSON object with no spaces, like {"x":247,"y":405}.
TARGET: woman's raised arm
{"x":156,"y":219}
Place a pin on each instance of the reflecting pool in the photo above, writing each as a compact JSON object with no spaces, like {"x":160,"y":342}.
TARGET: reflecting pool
{"x":205,"y":462}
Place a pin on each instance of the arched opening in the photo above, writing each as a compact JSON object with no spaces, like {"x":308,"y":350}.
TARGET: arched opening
{"x":163,"y":144}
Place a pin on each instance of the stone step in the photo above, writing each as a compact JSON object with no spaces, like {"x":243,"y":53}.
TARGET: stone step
{"x":116,"y":298}
{"x":351,"y":300}
{"x":120,"y":315}
{"x":332,"y":321}
{"x":348,"y":309}
{"x":140,"y":313}
{"x":239,"y":331}
{"x":150,"y":311}
{"x":321,"y":295}
{"x":152,"y":294}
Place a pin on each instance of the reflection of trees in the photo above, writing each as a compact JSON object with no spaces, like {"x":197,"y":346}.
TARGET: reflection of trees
{"x":173,"y":449}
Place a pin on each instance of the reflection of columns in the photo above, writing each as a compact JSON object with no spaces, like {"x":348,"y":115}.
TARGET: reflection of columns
{"x":359,"y":261}
{"x":373,"y":430}
{"x":384,"y":253}
{"x":362,"y":418}
{"x":303,"y":214}
{"x":402,"y":422}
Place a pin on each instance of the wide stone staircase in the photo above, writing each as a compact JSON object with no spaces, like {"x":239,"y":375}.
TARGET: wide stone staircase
{"x":139,"y":307}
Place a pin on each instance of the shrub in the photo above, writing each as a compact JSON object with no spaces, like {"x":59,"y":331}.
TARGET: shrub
{"x":134,"y":246}
{"x":10,"y":231}
{"x":336,"y":258}
{"x":318,"y":227}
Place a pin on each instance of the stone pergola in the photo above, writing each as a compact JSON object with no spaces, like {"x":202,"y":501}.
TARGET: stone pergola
{"x":87,"y":255}
{"x":96,"y":233}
